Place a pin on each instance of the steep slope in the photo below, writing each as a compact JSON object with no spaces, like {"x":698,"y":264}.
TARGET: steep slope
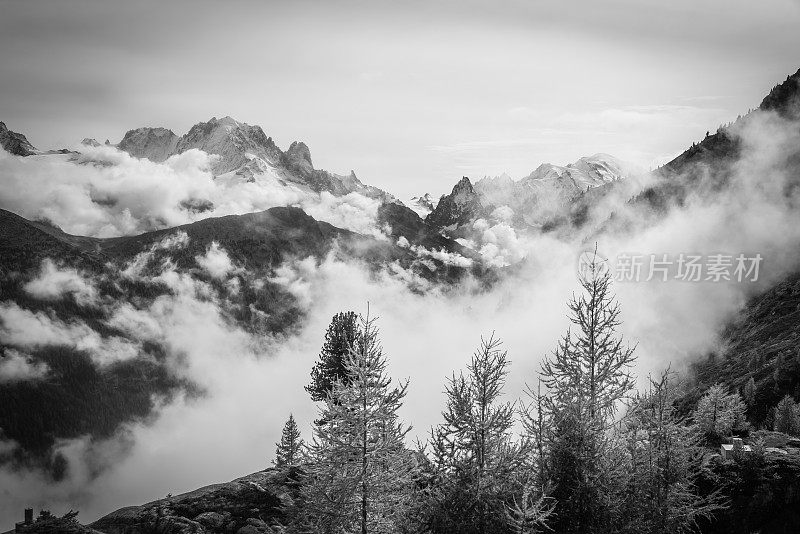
{"x":762,"y":343}
{"x":706,"y":166}
{"x":15,"y":143}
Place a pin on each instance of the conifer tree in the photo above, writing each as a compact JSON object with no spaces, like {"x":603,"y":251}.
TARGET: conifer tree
{"x":289,"y":450}
{"x":587,"y":377}
{"x":476,"y":459}
{"x":359,"y":477}
{"x":342,"y":335}
{"x":536,"y":427}
{"x":665,"y":458}
{"x":787,"y":418}
{"x":530,"y":514}
{"x":719,"y":413}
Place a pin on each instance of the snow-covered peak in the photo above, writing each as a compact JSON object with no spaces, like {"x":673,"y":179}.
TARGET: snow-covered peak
{"x":423,"y":204}
{"x":496,"y":190}
{"x":587,"y":172}
{"x":234,"y":142}
{"x":601,"y":168}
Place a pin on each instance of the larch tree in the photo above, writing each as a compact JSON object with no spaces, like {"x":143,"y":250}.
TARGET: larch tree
{"x":587,"y":377}
{"x":360,"y":471}
{"x":664,"y":466}
{"x":343,"y":334}
{"x":289,"y":450}
{"x":536,"y":427}
{"x":719,"y":413}
{"x":477,"y":460}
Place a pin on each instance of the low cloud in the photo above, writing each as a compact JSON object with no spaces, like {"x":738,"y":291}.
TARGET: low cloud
{"x":498,"y":243}
{"x":27,"y":330}
{"x":216,"y":262}
{"x":104,"y":192}
{"x":54,"y":282}
{"x":448,"y":258}
{"x":16,"y":366}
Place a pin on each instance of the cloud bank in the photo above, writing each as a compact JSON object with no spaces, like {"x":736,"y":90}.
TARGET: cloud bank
{"x":104,"y":192}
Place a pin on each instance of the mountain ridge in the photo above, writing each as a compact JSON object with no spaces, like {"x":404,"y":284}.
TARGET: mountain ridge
{"x":15,"y":143}
{"x":244,"y":150}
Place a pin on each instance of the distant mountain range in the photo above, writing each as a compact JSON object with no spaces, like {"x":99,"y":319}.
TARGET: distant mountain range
{"x":244,"y":151}
{"x":545,"y":196}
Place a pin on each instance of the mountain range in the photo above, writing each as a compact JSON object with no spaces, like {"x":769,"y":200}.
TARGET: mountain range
{"x":422,"y":241}
{"x":246,"y":152}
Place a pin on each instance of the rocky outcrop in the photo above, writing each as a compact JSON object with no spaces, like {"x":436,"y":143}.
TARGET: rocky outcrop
{"x":15,"y":143}
{"x":155,"y":144}
{"x":298,"y":157}
{"x":249,"y":505}
{"x":461,"y":206}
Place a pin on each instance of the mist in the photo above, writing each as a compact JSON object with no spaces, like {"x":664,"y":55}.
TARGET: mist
{"x":251,"y":383}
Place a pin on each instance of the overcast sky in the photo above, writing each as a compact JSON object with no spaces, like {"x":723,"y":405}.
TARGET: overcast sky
{"x":411,"y":95}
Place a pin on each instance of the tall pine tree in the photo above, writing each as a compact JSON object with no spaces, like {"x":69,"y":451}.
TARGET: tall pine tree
{"x":360,"y":473}
{"x":289,"y":450}
{"x":587,"y":377}
{"x":343,"y":334}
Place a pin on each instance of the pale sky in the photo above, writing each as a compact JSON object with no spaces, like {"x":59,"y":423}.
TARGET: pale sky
{"x":411,"y":95}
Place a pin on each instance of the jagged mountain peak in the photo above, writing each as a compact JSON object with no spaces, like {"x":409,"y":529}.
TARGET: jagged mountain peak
{"x":245,"y":151}
{"x":423,"y":204}
{"x":299,"y":153}
{"x":463,"y":187}
{"x":459,"y":207}
{"x":501,"y":179}
{"x":15,"y":143}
